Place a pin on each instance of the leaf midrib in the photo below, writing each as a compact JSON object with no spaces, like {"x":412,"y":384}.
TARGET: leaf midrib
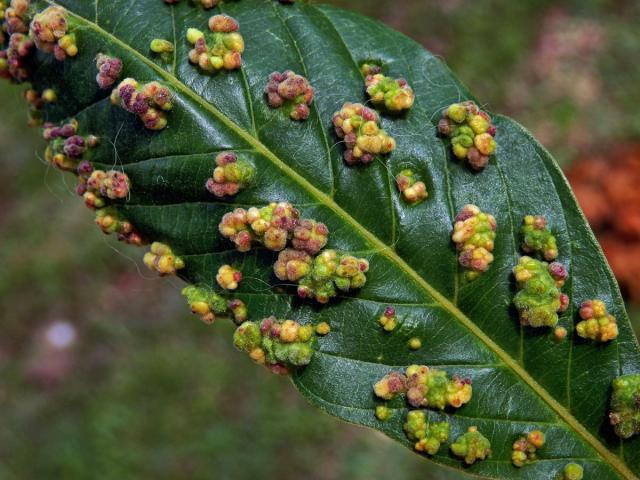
{"x":382,"y":249}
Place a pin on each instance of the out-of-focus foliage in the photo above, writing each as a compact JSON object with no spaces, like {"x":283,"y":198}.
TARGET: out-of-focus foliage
{"x":99,"y":374}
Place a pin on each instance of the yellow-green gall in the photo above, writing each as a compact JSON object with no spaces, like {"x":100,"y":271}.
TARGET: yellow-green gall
{"x":388,"y":320}
{"x":394,"y":95}
{"x":204,"y":302}
{"x":596,"y":324}
{"x":427,"y":436}
{"x":471,"y":133}
{"x":228,"y":277}
{"x":331,"y":272}
{"x":625,"y":406}
{"x":382,"y":413}
{"x":572,"y":471}
{"x":323,"y":328}
{"x":162,"y":259}
{"x":230,"y":175}
{"x":279,"y":344}
{"x":159,"y":45}
{"x":413,"y":190}
{"x":359,"y":126}
{"x":537,"y":238}
{"x":414,"y":343}
{"x":472,"y":446}
{"x":539,"y":299}
{"x":524,"y":448}
{"x":474,"y":233}
{"x":425,"y":387}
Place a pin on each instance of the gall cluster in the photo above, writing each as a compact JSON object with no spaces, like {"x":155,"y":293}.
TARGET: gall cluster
{"x":220,"y":49}
{"x":290,"y":91}
{"x":150,"y":101}
{"x":474,"y":233}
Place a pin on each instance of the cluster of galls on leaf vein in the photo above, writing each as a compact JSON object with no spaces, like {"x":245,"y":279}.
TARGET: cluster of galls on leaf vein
{"x":359,"y":126}
{"x":150,"y":101}
{"x":291,"y":92}
{"x":471,"y":133}
{"x":230,"y":175}
{"x":394,"y":95}
{"x":625,"y":406}
{"x":220,"y":49}
{"x":161,"y":259}
{"x":596,"y":323}
{"x":537,"y":238}
{"x":280,"y":345}
{"x":207,"y":303}
{"x":321,"y":278}
{"x":474,"y":233}
{"x":412,"y":189}
{"x":539,"y":299}
{"x":524,"y":448}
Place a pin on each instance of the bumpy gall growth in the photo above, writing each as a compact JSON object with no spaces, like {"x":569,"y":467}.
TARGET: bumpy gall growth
{"x":204,"y":302}
{"x":524,"y":448}
{"x":272,"y":226}
{"x":159,"y":45}
{"x":16,"y":16}
{"x":331,"y":272}
{"x":474,"y":233}
{"x":388,"y":320}
{"x":472,"y":446}
{"x":15,"y":61}
{"x":162,"y":259}
{"x":110,"y":220}
{"x":425,"y":387}
{"x":539,"y":299}
{"x":359,"y":126}
{"x":625,"y":406}
{"x":427,"y":436}
{"x":572,"y":471}
{"x":382,"y":413}
{"x":228,"y":277}
{"x":394,"y":95}
{"x":230,"y":175}
{"x":218,"y":50}
{"x":238,"y":310}
{"x":111,"y":185}
{"x":150,"y":101}
{"x":310,"y":236}
{"x":109,"y":70}
{"x":323,"y":328}
{"x":412,"y":190}
{"x":291,"y":91}
{"x":280,"y":345}
{"x":66,"y":148}
{"x":49,"y":31}
{"x":471,"y":133}
{"x":537,"y":238}
{"x":597,"y":324}
{"x":292,"y":265}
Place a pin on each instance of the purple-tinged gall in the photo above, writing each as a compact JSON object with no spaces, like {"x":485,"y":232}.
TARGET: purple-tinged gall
{"x":472,"y":446}
{"x":49,"y":31}
{"x":291,"y":91}
{"x":388,"y":320}
{"x":150,"y":101}
{"x":471,"y":133}
{"x":537,"y":238}
{"x":359,"y":126}
{"x":474,"y":233}
{"x":221,"y":49}
{"x":230,"y":175}
{"x":109,"y":70}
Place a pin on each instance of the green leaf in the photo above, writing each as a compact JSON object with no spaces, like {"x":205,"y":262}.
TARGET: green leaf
{"x":521,"y":379}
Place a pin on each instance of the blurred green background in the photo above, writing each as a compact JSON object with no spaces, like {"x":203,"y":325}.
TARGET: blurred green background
{"x":105,"y":374}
